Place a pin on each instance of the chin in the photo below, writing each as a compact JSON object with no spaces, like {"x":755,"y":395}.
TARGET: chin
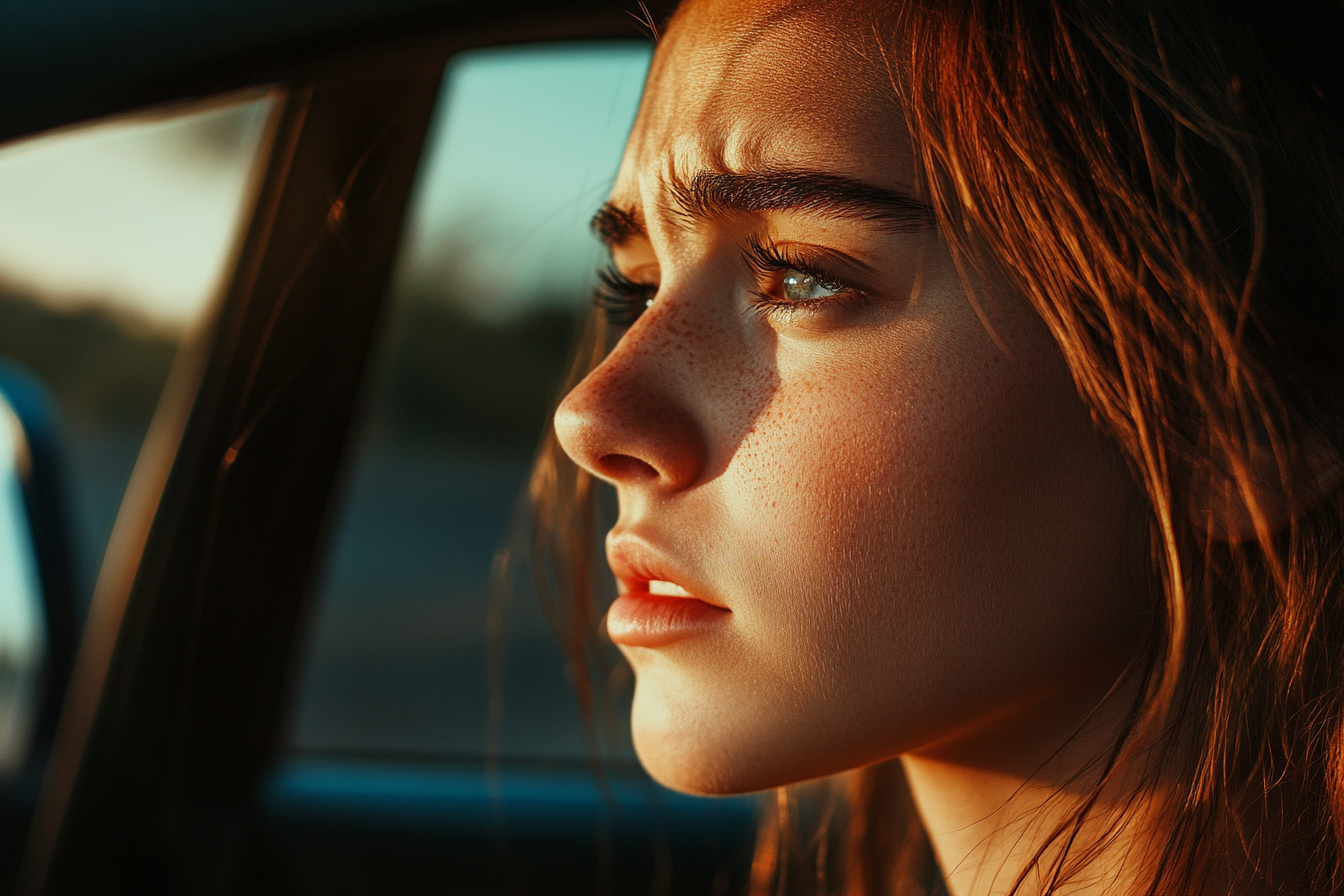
{"x":688,"y":747}
{"x":690,"y":767}
{"x":683,"y":749}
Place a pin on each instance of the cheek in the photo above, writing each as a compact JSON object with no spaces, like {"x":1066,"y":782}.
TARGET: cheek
{"x":924,"y":533}
{"x":871,"y":471}
{"x":851,"y":492}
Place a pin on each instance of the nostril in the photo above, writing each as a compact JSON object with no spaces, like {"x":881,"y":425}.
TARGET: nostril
{"x":623,"y":467}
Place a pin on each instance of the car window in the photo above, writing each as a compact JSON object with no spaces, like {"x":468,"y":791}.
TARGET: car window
{"x":115,"y":237}
{"x":495,"y":272}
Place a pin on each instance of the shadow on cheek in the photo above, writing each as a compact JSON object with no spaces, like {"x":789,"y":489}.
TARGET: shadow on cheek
{"x":736,"y":406}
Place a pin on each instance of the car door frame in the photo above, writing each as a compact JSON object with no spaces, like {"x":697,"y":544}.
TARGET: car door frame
{"x":177,"y":699}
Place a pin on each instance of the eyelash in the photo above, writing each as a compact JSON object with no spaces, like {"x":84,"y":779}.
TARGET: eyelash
{"x":622,"y":300}
{"x":770,"y":260}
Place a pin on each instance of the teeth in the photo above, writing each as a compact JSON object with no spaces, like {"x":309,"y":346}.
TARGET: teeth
{"x":668,"y":589}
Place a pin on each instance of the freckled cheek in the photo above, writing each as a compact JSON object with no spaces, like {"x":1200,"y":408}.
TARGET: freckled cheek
{"x":832,"y":474}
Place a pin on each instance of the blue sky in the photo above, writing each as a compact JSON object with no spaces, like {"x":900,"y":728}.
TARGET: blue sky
{"x":524,"y":149}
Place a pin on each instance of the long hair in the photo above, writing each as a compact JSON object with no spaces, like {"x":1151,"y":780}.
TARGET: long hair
{"x":1164,"y":182}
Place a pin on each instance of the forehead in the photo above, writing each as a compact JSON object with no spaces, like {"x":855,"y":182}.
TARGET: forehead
{"x":747,"y":86}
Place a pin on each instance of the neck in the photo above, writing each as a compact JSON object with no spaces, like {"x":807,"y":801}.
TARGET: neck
{"x":992,"y":801}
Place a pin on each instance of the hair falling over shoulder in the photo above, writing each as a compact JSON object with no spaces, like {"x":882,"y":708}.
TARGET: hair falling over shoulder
{"x":1165,"y":183}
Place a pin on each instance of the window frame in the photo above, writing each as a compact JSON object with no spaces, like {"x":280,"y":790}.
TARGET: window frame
{"x":177,"y":699}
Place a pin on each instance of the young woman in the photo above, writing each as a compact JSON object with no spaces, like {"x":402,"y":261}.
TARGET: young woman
{"x":970,"y":381}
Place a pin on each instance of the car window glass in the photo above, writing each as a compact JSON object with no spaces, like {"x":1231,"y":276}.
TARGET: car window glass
{"x":114,"y":238}
{"x":496,"y":269}
{"x":22,"y":623}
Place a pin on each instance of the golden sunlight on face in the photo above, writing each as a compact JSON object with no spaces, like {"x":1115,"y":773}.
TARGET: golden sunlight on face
{"x":853,"y":522}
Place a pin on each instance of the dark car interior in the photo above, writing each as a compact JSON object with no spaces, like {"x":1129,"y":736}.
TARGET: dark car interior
{"x":265,"y":650}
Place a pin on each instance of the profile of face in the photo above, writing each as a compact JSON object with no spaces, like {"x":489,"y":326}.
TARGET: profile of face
{"x":863,"y":511}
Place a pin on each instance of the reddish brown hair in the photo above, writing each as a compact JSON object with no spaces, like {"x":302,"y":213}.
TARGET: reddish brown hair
{"x":1165,"y":183}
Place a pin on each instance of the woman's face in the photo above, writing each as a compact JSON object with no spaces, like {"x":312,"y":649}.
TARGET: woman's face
{"x":874,"y":513}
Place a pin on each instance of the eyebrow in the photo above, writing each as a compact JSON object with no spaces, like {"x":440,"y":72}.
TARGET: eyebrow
{"x":615,"y":225}
{"x":720,"y":195}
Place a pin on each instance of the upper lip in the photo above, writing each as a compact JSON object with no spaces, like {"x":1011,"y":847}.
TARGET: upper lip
{"x":635,"y":563}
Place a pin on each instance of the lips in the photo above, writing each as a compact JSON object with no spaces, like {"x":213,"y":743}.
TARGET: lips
{"x":658,"y":605}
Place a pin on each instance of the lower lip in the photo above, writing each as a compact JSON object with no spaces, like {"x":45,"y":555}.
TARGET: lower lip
{"x":640,"y":619}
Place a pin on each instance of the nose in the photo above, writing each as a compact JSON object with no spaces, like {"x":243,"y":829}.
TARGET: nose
{"x":631,"y":420}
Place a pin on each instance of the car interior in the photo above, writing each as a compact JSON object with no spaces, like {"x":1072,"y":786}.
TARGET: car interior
{"x":288,"y":292}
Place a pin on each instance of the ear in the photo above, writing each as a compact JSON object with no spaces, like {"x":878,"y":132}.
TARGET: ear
{"x":1223,"y":507}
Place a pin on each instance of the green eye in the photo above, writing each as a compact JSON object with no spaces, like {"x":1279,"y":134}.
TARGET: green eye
{"x":800,"y":286}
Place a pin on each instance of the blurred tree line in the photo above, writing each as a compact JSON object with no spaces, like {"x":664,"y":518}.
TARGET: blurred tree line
{"x":450,"y":380}
{"x":444,"y":379}
{"x":105,"y":369}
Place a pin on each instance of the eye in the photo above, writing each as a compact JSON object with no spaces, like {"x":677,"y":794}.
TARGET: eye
{"x":794,"y":280}
{"x":800,"y":286}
